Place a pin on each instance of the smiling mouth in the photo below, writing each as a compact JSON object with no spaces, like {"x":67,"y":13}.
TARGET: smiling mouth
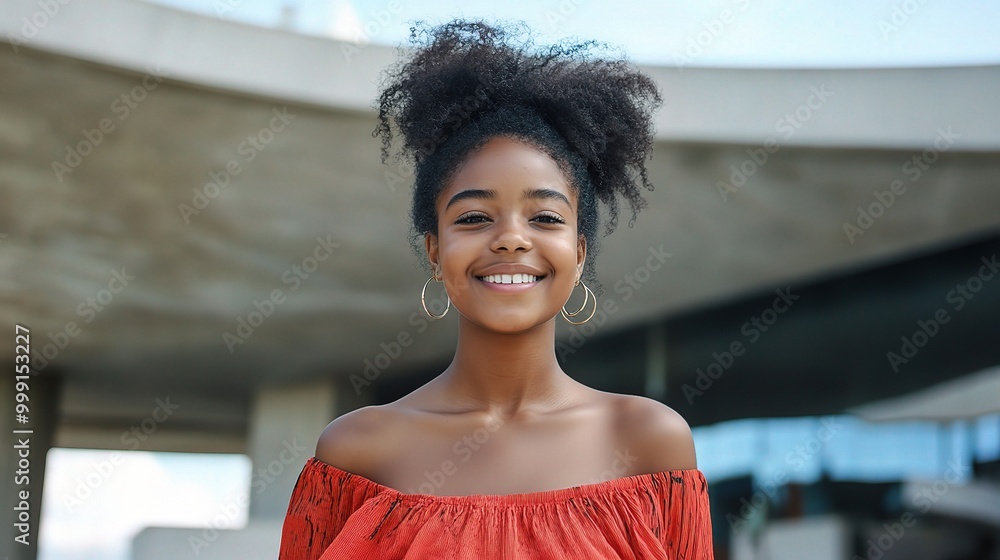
{"x":510,"y":278}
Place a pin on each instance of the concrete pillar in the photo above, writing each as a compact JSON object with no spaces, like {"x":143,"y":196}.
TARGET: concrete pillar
{"x":23,"y":475}
{"x":285,"y":423}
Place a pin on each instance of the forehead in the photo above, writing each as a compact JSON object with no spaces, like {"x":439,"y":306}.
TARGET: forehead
{"x":503,"y":163}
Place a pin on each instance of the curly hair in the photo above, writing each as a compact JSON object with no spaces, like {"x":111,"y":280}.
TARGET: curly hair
{"x":468,"y":82}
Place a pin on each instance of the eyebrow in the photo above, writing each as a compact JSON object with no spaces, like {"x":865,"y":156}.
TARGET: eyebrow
{"x":488,"y":194}
{"x":543,"y":194}
{"x":474,"y":194}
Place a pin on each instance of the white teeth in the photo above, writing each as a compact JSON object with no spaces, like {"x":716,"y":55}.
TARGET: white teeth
{"x":510,"y":278}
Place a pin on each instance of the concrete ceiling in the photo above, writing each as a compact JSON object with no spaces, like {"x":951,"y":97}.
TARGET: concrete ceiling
{"x":196,"y":274}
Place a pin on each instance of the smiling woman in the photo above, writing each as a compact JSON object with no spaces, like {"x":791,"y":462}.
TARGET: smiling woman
{"x":522,"y":223}
{"x":503,"y":455}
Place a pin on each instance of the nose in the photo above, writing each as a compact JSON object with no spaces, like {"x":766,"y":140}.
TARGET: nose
{"x":511,"y":236}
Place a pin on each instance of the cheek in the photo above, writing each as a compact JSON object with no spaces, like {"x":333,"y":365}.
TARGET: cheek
{"x":563,"y":249}
{"x":456,"y":254}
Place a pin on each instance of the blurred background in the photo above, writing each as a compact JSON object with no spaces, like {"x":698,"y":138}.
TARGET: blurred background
{"x":213,"y":263}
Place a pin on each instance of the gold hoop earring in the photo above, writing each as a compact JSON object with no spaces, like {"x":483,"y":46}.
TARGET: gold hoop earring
{"x":587,"y":294}
{"x":423,"y":302}
{"x":586,"y":298}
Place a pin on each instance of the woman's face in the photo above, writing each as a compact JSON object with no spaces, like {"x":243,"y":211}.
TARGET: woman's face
{"x":507,"y":246}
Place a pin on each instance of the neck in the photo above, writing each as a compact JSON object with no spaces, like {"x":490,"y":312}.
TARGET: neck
{"x":506,"y":373}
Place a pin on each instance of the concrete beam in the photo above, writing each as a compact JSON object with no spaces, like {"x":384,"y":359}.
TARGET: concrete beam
{"x":872,"y":108}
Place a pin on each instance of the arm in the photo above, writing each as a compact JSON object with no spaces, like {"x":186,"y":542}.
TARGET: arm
{"x":352,"y":442}
{"x":658,"y":436}
{"x":662,"y":442}
{"x":326,"y":495}
{"x":309,"y":522}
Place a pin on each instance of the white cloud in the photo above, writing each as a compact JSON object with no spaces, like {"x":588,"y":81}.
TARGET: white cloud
{"x":95,"y":501}
{"x":345,"y":24}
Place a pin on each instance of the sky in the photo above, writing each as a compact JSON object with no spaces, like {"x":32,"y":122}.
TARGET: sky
{"x":94,"y":502}
{"x":728,"y":33}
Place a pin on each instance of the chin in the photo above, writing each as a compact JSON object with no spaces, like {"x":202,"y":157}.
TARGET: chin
{"x":511,"y":324}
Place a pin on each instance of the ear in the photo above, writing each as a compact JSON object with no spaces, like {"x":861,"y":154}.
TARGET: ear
{"x":431,"y":244}
{"x":581,"y":254}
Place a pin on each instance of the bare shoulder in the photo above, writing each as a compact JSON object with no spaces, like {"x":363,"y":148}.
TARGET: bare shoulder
{"x":356,"y":441}
{"x":655,"y":433}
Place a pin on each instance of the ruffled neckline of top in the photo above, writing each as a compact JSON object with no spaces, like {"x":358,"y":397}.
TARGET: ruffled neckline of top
{"x":583,"y":491}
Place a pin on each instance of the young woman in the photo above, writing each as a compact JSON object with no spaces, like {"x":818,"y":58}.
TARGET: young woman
{"x":503,"y":455}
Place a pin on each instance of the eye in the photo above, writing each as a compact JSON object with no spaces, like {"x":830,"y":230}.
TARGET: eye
{"x":550,"y":218}
{"x":472,"y":218}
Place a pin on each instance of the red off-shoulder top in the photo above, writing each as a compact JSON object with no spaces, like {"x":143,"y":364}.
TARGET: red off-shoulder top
{"x":337,"y":515}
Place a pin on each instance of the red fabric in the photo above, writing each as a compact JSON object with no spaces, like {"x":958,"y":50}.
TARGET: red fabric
{"x":337,"y":515}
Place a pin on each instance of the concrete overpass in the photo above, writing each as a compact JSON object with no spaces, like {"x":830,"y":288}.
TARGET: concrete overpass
{"x":195,"y":210}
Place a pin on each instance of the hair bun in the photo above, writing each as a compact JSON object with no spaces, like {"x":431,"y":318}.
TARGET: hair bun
{"x":463,"y":70}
